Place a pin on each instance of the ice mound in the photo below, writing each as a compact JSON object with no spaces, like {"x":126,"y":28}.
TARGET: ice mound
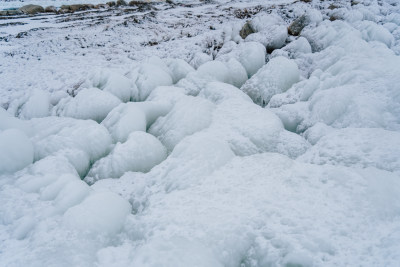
{"x":277,"y":76}
{"x":100,"y":214}
{"x":139,"y":153}
{"x":188,"y":116}
{"x":90,"y":103}
{"x":16,"y":150}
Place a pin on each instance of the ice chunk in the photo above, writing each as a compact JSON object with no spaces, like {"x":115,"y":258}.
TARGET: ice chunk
{"x":199,"y":59}
{"x":250,"y":129}
{"x":195,"y":156}
{"x":218,"y":92}
{"x":274,"y":37}
{"x":237,"y":72}
{"x":166,"y":94}
{"x":276,"y":77}
{"x":112,"y":82}
{"x":151,"y":76}
{"x":51,"y":191}
{"x":250,"y":54}
{"x":123,"y":120}
{"x":16,"y":151}
{"x":179,"y":69}
{"x":188,"y":116}
{"x":52,"y":134}
{"x":37,"y":106}
{"x":71,"y":194}
{"x":373,"y":32}
{"x":139,"y":153}
{"x":100,"y":213}
{"x":90,"y":103}
{"x":9,"y":122}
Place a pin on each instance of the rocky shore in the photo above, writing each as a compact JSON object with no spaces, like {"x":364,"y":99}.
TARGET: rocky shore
{"x":37,"y":9}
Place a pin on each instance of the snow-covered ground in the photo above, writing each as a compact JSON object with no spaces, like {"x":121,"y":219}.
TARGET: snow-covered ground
{"x":154,"y":135}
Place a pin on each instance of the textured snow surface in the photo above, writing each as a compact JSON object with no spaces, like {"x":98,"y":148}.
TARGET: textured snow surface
{"x":154,"y":135}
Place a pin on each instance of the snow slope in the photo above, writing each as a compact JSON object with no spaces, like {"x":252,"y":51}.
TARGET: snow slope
{"x":157,"y":136}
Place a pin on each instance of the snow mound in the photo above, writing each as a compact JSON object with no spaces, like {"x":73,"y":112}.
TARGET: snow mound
{"x":277,"y":76}
{"x":361,"y":147}
{"x":188,"y":116}
{"x":90,"y":103}
{"x":139,"y":153}
{"x":99,"y":214}
{"x":16,"y":151}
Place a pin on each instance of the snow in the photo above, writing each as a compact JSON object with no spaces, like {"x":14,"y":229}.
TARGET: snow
{"x":154,"y":135}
